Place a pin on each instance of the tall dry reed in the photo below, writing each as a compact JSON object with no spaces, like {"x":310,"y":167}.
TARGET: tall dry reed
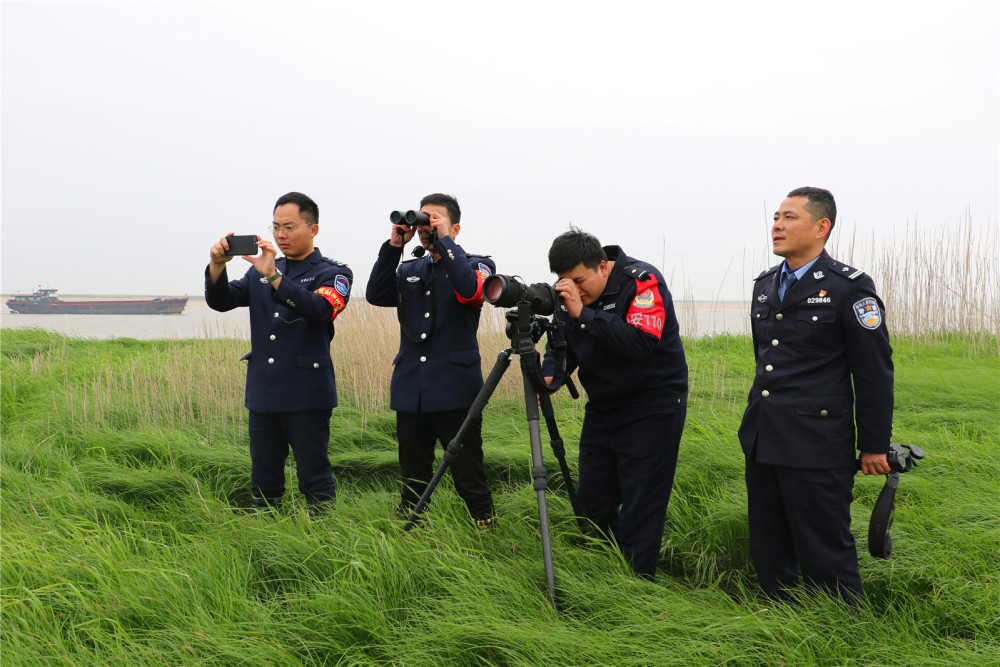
{"x":936,"y":283}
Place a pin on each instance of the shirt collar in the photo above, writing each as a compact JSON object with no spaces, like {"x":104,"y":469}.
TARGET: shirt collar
{"x":799,"y":272}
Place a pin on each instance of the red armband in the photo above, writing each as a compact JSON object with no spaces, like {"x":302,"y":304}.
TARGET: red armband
{"x":482,"y":273}
{"x":646,"y":311}
{"x":333,"y":297}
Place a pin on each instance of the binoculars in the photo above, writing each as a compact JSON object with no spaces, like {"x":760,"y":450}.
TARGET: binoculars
{"x":411,"y":218}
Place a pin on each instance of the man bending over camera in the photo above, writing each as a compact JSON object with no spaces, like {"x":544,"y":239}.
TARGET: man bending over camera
{"x":622,"y":333}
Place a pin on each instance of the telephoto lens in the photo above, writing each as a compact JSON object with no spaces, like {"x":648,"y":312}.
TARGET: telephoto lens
{"x":507,"y":292}
{"x":502,"y":291}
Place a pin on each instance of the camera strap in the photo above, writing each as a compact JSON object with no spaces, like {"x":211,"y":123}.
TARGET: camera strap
{"x":879,"y":540}
{"x":901,"y":458}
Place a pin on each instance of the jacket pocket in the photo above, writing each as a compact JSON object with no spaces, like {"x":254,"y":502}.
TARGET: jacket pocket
{"x":464,"y":357}
{"x":314,"y":361}
{"x":822,"y":406}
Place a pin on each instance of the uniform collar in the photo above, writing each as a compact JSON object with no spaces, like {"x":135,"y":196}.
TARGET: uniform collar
{"x":808,"y":275}
{"x":617,"y":255}
{"x":302,"y":265}
{"x":801,"y":271}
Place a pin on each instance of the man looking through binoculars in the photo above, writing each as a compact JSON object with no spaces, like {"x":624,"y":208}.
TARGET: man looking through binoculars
{"x":438,"y":299}
{"x":622,"y":333}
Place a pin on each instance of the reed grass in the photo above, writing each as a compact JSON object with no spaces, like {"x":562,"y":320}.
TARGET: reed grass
{"x":124,"y":478}
{"x":125,"y":537}
{"x":938,"y":282}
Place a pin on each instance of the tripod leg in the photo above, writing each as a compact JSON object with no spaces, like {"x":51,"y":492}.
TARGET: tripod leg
{"x":454,"y":447}
{"x":559,"y":450}
{"x":540,"y":483}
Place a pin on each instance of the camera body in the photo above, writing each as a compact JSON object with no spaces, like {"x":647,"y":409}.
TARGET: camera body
{"x":902,"y":458}
{"x":509,"y":291}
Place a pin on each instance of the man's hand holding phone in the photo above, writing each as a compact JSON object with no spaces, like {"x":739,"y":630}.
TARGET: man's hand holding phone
{"x":265,"y":263}
{"x":231,"y":245}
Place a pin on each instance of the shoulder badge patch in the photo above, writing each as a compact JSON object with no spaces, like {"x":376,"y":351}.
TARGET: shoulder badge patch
{"x":484,"y":269}
{"x":644,"y":299}
{"x":868,"y":313}
{"x":342,"y":285}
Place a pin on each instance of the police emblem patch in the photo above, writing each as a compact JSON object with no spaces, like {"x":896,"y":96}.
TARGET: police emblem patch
{"x":644,"y":300}
{"x":762,"y":298}
{"x":485,"y":270}
{"x":342,"y":285}
{"x":868,"y":313}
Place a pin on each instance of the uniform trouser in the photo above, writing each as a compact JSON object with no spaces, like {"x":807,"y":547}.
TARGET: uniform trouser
{"x":801,"y":518}
{"x":627,"y":463}
{"x":418,"y":433}
{"x":308,"y":433}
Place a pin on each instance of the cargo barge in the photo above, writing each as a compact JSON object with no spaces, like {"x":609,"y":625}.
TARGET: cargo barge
{"x":45,"y":301}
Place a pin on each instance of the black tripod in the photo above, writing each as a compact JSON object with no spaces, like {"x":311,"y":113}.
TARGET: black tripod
{"x":524,"y":330}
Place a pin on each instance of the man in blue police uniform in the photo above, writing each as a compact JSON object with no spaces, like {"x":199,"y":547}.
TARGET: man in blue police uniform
{"x":437,"y":374}
{"x":290,"y":388}
{"x":623,"y":335}
{"x":823,"y":384}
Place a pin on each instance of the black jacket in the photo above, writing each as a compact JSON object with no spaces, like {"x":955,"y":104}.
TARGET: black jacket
{"x":437,"y":367}
{"x":627,"y":343}
{"x":824,"y":365}
{"x":289,"y":367}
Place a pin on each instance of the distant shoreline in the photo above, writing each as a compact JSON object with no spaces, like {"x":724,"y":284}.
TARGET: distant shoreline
{"x":698,"y":303}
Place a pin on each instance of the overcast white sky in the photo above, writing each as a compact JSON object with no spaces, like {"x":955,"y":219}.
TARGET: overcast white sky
{"x":134,"y":134}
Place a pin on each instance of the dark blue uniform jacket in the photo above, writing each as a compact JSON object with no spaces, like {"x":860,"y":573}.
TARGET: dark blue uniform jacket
{"x":824,"y":364}
{"x":289,"y":367}
{"x":627,"y":343}
{"x":437,"y":367}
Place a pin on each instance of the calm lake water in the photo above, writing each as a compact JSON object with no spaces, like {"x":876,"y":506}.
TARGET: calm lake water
{"x":200,"y":321}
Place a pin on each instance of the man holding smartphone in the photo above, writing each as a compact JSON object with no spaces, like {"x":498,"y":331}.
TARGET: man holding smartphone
{"x":290,"y":389}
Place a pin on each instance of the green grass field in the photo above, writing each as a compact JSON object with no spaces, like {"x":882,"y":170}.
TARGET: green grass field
{"x":126,"y":539}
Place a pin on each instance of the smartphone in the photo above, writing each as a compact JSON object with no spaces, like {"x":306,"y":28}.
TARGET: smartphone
{"x":242,"y":244}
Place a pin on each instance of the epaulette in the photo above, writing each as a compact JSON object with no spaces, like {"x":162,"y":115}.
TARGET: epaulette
{"x":410,"y":261}
{"x":846,"y":271}
{"x":767,"y":272}
{"x":636,"y":272}
{"x":333,"y":261}
{"x":468,"y":255}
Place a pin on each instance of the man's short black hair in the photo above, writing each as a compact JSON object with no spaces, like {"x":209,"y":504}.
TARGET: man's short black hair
{"x":308,"y":209}
{"x":821,"y":204}
{"x":575,"y":247}
{"x":449,"y":202}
